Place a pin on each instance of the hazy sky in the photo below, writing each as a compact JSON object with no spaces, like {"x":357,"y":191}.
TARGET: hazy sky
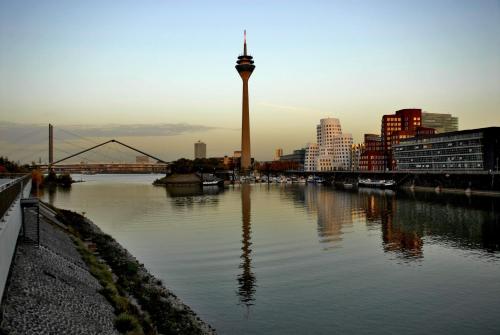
{"x":172,"y":62}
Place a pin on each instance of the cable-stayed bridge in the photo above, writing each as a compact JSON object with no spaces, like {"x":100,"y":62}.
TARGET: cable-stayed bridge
{"x":78,"y":154}
{"x":91,"y":168}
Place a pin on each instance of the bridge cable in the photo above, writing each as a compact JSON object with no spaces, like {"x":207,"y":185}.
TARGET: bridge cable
{"x":84,"y":157}
{"x":111,"y":141}
{"x":95,"y":142}
{"x":80,"y":148}
{"x":26,"y":156}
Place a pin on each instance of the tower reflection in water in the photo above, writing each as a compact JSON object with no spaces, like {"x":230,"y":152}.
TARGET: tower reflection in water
{"x":246,"y":280}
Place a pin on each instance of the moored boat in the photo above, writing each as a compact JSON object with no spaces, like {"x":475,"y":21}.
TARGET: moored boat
{"x":213,"y":182}
{"x":318,"y":180}
{"x":377,"y":183}
{"x":389,"y":184}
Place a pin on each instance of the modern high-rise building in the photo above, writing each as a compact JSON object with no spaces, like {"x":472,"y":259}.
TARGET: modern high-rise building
{"x":326,"y":130}
{"x":332,"y":152}
{"x":200,"y":150}
{"x":442,"y":123}
{"x":245,"y":68}
{"x":342,"y":152}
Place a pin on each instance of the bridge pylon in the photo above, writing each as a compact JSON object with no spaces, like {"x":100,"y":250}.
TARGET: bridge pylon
{"x":51,"y":145}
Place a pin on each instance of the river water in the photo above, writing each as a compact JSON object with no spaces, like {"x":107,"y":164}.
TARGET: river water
{"x":303,"y":259}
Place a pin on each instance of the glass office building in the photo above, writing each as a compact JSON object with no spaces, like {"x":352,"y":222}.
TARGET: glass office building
{"x":466,"y":150}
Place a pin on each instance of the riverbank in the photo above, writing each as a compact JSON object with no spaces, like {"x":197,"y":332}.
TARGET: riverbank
{"x":81,"y":281}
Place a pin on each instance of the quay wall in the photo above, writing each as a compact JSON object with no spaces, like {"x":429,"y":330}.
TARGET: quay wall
{"x":480,"y":181}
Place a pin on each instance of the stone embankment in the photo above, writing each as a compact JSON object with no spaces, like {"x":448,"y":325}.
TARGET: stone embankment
{"x":66,"y":286}
{"x":51,"y":290}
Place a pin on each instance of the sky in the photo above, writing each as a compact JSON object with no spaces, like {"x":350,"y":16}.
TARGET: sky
{"x":156,"y":65}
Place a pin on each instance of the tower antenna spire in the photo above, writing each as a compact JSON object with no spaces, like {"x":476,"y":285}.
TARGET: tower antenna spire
{"x":245,"y":42}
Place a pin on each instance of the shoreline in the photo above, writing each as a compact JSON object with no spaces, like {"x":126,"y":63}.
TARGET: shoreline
{"x":74,"y":278}
{"x":166,"y":312}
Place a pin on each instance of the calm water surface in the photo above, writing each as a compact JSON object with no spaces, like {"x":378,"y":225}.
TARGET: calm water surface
{"x":297,"y":259}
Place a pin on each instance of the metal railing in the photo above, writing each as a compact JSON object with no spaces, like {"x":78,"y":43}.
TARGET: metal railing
{"x":10,"y":190}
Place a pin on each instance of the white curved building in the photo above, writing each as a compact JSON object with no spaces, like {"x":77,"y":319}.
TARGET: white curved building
{"x":312,"y":152}
{"x":333,"y":149}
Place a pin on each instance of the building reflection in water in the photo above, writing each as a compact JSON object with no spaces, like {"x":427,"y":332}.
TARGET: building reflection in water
{"x":189,"y":196}
{"x":333,"y":213}
{"x":337,"y":211}
{"x":246,"y":280}
{"x":455,"y":220}
{"x":404,"y":221}
{"x":400,"y":235}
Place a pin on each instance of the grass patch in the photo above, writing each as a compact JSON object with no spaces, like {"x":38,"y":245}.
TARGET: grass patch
{"x":125,"y":322}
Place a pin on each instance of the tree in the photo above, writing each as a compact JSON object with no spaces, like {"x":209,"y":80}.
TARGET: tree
{"x":184,"y":165}
{"x":8,"y":166}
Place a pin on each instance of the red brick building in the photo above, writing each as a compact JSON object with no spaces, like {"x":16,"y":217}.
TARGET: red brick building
{"x":372,"y":158}
{"x":403,"y":124}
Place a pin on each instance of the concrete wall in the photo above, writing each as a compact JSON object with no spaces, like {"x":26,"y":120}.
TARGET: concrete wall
{"x":10,"y":226}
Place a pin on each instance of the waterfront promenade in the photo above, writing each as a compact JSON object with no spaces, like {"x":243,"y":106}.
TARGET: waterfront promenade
{"x":61,"y":284}
{"x":52,"y":291}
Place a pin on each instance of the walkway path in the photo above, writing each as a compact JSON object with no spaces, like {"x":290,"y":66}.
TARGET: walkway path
{"x":51,"y":290}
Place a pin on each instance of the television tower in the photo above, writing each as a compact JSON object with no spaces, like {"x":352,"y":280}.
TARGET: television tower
{"x":245,"y":68}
